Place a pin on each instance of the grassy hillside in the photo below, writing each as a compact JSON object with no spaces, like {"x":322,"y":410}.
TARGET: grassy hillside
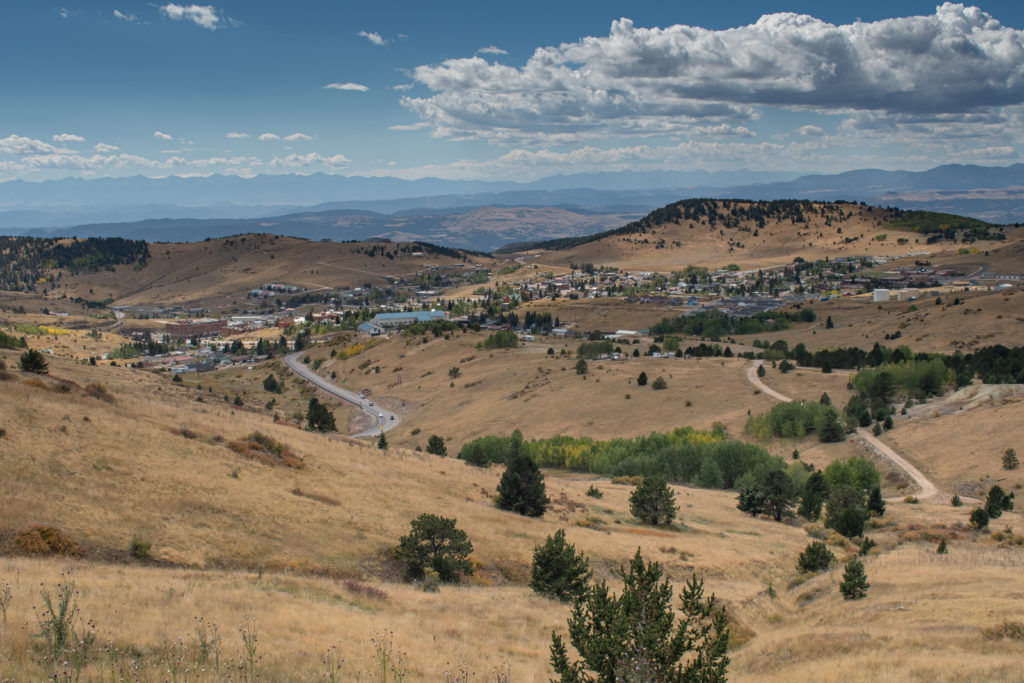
{"x":218,"y":273}
{"x":300,"y":555}
{"x":715,"y":233}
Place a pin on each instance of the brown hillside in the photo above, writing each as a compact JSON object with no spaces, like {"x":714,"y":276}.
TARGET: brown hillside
{"x":219,"y":272}
{"x":827,"y":230}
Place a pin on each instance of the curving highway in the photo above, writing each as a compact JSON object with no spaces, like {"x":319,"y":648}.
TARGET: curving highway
{"x":385,"y":420}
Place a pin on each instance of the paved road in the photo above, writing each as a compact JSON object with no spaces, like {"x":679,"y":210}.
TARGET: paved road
{"x":385,"y":419}
{"x":928,"y":489}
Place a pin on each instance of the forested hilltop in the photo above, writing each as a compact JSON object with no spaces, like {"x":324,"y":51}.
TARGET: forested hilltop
{"x":28,"y":262}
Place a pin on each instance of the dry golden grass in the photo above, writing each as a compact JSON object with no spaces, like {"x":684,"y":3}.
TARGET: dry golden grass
{"x":776,"y":243}
{"x":963,"y":450}
{"x":278,"y":544}
{"x":984,"y":319}
{"x":500,"y":390}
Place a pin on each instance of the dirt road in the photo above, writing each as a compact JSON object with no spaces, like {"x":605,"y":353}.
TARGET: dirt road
{"x":928,"y":490}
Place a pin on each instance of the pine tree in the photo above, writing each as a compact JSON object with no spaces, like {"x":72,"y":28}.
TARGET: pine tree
{"x":942,"y":549}
{"x":1010,"y":461}
{"x":813,"y":497}
{"x":33,"y":361}
{"x":876,"y":505}
{"x":521,"y":488}
{"x":641,"y":379}
{"x":816,"y":557}
{"x":435,"y":543}
{"x":997,"y":502}
{"x":854,"y":585}
{"x":635,"y":636}
{"x":558,"y":571}
{"x":760,"y":371}
{"x":979,"y":518}
{"x":382,"y":443}
{"x":435,"y":446}
{"x":653,"y":502}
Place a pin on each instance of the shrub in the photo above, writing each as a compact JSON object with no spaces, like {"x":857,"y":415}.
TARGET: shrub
{"x":266,"y":450}
{"x":816,"y":557}
{"x":98,"y":391}
{"x":659,"y":383}
{"x":140,"y":549}
{"x":785,"y":366}
{"x":653,"y":502}
{"x":435,"y":543}
{"x":270,"y":384}
{"x":40,"y":539}
{"x":865,"y":546}
{"x":854,"y":585}
{"x":942,"y":549}
{"x":636,"y":633}
{"x":594,"y":492}
{"x":558,"y":571}
{"x":581,"y":367}
{"x":33,"y":361}
{"x":955,"y":501}
{"x":521,"y":488}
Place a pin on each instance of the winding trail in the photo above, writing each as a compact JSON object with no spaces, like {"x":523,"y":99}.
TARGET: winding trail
{"x":385,"y":419}
{"x":928,"y":490}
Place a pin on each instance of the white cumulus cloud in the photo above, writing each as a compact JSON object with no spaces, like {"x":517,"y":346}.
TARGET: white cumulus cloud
{"x":200,"y":15}
{"x":17,"y":145}
{"x":410,"y":126}
{"x":64,"y":138}
{"x":810,"y":131}
{"x":355,"y":87}
{"x":311,"y":159}
{"x":491,"y":50}
{"x":103,"y":147}
{"x":645,"y":81}
{"x":295,"y":137}
{"x":266,"y":137}
{"x":236,"y":136}
{"x":161,"y":136}
{"x":373,"y":37}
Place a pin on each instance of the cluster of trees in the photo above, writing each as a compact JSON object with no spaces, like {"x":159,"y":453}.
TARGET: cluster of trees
{"x":706,"y":459}
{"x":500,"y":340}
{"x":593,"y":349}
{"x":850,"y":492}
{"x":9,"y":341}
{"x":29,"y":260}
{"x":797,"y":419}
{"x":715,"y":324}
{"x":996,"y":503}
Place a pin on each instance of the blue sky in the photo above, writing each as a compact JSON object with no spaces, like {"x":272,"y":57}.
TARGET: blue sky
{"x":510,"y":91}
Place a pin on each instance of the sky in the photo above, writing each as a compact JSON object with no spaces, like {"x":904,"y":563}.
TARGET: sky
{"x":505,"y":91}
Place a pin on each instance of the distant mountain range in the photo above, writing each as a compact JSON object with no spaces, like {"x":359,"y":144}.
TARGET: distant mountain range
{"x":453,"y":213}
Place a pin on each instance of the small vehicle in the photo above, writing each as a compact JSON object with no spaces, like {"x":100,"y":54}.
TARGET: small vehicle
{"x":380,"y":414}
{"x":362,"y":395}
{"x":392,"y":418}
{"x":369,"y":403}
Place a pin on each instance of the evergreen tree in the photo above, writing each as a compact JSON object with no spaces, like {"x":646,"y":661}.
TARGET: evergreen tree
{"x":760,"y":371}
{"x":435,"y":446}
{"x":997,"y":502}
{"x":876,"y":505}
{"x":641,"y":379}
{"x":33,"y":361}
{"x":828,"y":323}
{"x":979,"y":518}
{"x":816,"y":557}
{"x":581,"y":367}
{"x":635,"y":637}
{"x":846,"y":511}
{"x":813,"y":497}
{"x":558,"y":571}
{"x":270,"y":383}
{"x":1010,"y":461}
{"x":382,"y":442}
{"x":521,"y":488}
{"x":773,"y":495}
{"x":320,"y":416}
{"x":435,"y":543}
{"x":854,"y":585}
{"x":653,"y":502}
{"x":942,"y":549}
{"x":659,"y":383}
